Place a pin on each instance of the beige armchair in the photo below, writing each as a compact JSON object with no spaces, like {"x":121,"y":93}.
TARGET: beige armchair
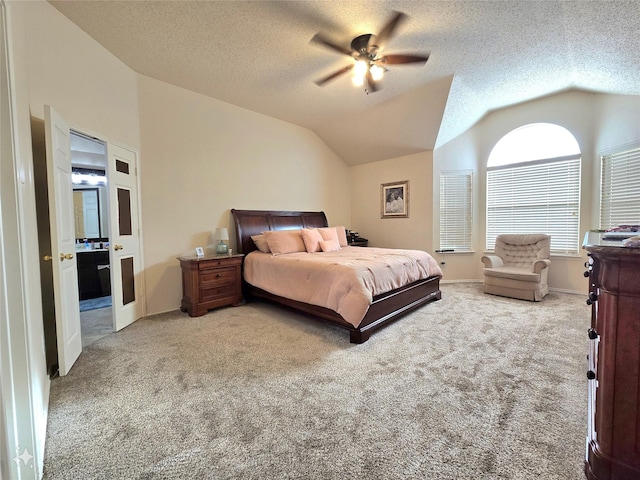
{"x":519,"y":266}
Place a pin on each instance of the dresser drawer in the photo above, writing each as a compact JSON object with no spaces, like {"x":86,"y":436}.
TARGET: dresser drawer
{"x":215,"y":277}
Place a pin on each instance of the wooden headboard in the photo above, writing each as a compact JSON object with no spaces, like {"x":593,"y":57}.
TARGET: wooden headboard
{"x":254,"y":222}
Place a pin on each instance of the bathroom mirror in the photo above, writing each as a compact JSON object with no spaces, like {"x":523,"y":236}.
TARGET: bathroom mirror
{"x":88,"y":207}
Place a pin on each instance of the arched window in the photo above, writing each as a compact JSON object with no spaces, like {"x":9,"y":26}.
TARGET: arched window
{"x":533,"y":186}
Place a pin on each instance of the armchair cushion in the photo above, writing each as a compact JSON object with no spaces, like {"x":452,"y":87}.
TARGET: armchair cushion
{"x":514,"y":273}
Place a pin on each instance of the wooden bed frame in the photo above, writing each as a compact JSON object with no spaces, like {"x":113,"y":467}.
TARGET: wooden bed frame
{"x":384,"y":309}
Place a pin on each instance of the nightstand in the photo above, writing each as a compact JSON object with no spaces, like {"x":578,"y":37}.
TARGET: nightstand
{"x":209,"y":282}
{"x":359,"y":243}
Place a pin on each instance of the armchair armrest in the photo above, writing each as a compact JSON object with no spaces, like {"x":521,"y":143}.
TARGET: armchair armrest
{"x":540,"y":265}
{"x":492,"y":261}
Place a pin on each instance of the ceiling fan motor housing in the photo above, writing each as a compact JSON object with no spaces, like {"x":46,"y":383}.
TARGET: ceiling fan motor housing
{"x":361,"y":45}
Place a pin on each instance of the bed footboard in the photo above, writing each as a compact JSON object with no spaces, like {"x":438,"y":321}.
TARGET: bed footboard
{"x":385,"y":308}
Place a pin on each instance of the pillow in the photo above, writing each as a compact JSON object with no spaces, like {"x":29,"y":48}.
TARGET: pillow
{"x":342,"y":236}
{"x":311,"y":238}
{"x":329,"y":245}
{"x":261,"y":243}
{"x":285,"y":241}
{"x":329,"y":233}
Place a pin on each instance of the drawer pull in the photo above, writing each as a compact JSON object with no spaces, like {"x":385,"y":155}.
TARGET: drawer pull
{"x":218,"y":275}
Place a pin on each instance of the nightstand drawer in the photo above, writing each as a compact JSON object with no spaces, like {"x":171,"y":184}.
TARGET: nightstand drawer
{"x":208,"y":294}
{"x":216,"y":277}
{"x":219,"y":262}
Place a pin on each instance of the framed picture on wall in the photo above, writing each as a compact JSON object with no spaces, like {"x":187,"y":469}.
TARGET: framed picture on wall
{"x":394,"y":199}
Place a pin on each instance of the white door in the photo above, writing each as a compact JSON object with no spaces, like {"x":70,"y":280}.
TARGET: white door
{"x":124,"y":236}
{"x":63,"y":250}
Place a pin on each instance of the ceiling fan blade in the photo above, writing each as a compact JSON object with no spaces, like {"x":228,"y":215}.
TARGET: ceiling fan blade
{"x":389,"y":29}
{"x":324,"y":41}
{"x":402,"y":58}
{"x":372,"y":86}
{"x":326,"y":79}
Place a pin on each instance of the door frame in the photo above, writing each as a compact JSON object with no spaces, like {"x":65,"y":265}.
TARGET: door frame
{"x":111,"y":203}
{"x":24,"y":387}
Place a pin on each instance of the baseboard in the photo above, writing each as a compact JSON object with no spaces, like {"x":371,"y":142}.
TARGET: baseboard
{"x":565,"y":290}
{"x":551,"y":289}
{"x":460,"y":281}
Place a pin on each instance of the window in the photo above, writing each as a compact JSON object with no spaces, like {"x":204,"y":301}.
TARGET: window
{"x":455,"y":210}
{"x":620,"y":189}
{"x":533,"y":186}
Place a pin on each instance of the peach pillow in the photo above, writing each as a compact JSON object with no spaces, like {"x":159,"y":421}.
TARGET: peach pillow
{"x":285,"y":241}
{"x":311,"y":238}
{"x":329,"y":233}
{"x":341,"y":234}
{"x":329,"y":245}
{"x":261,"y":243}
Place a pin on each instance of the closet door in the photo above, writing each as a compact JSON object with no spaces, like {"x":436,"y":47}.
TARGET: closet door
{"x":126,"y":276}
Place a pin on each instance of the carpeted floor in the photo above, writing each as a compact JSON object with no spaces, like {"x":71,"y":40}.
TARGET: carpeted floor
{"x":470,"y":387}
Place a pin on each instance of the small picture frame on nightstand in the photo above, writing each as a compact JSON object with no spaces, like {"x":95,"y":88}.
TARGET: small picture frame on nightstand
{"x":199,"y":252}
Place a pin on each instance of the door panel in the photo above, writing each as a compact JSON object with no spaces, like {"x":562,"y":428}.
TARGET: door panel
{"x":128,"y":280}
{"x":124,"y":212}
{"x":62,"y":230}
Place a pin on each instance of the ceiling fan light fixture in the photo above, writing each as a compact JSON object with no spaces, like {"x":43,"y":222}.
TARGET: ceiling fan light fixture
{"x":358,"y":80}
{"x":360,"y":69}
{"x":377,"y":72}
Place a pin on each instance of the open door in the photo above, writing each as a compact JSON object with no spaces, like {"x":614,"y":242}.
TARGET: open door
{"x":63,"y":237}
{"x":124,"y":236}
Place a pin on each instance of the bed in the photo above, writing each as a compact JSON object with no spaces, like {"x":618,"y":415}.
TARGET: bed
{"x":384,"y":307}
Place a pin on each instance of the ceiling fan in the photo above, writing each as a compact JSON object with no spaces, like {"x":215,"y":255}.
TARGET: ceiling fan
{"x":369,"y":66}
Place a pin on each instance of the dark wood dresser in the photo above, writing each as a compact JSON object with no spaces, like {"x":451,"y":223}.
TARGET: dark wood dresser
{"x":613,"y":434}
{"x":210,"y":282}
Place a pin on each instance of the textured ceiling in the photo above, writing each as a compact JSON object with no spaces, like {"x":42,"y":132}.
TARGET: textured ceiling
{"x":484,"y":55}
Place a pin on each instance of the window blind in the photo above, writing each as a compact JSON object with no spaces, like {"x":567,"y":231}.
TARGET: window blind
{"x":620,"y":189}
{"x":536,"y":197}
{"x":455,"y":210}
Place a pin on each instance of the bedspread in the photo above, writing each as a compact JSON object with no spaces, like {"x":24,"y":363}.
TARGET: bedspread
{"x":344,"y":281}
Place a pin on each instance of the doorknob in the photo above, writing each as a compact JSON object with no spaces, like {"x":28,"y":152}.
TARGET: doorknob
{"x":47,"y":258}
{"x":67,"y":256}
{"x":117,"y":247}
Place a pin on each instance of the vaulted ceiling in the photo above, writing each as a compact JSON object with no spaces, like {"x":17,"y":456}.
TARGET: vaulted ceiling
{"x":485,"y":55}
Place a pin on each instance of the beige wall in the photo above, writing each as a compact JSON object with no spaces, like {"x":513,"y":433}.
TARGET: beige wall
{"x":413,"y":232}
{"x":201,"y":157}
{"x":597,"y":121}
{"x":92,"y":90}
